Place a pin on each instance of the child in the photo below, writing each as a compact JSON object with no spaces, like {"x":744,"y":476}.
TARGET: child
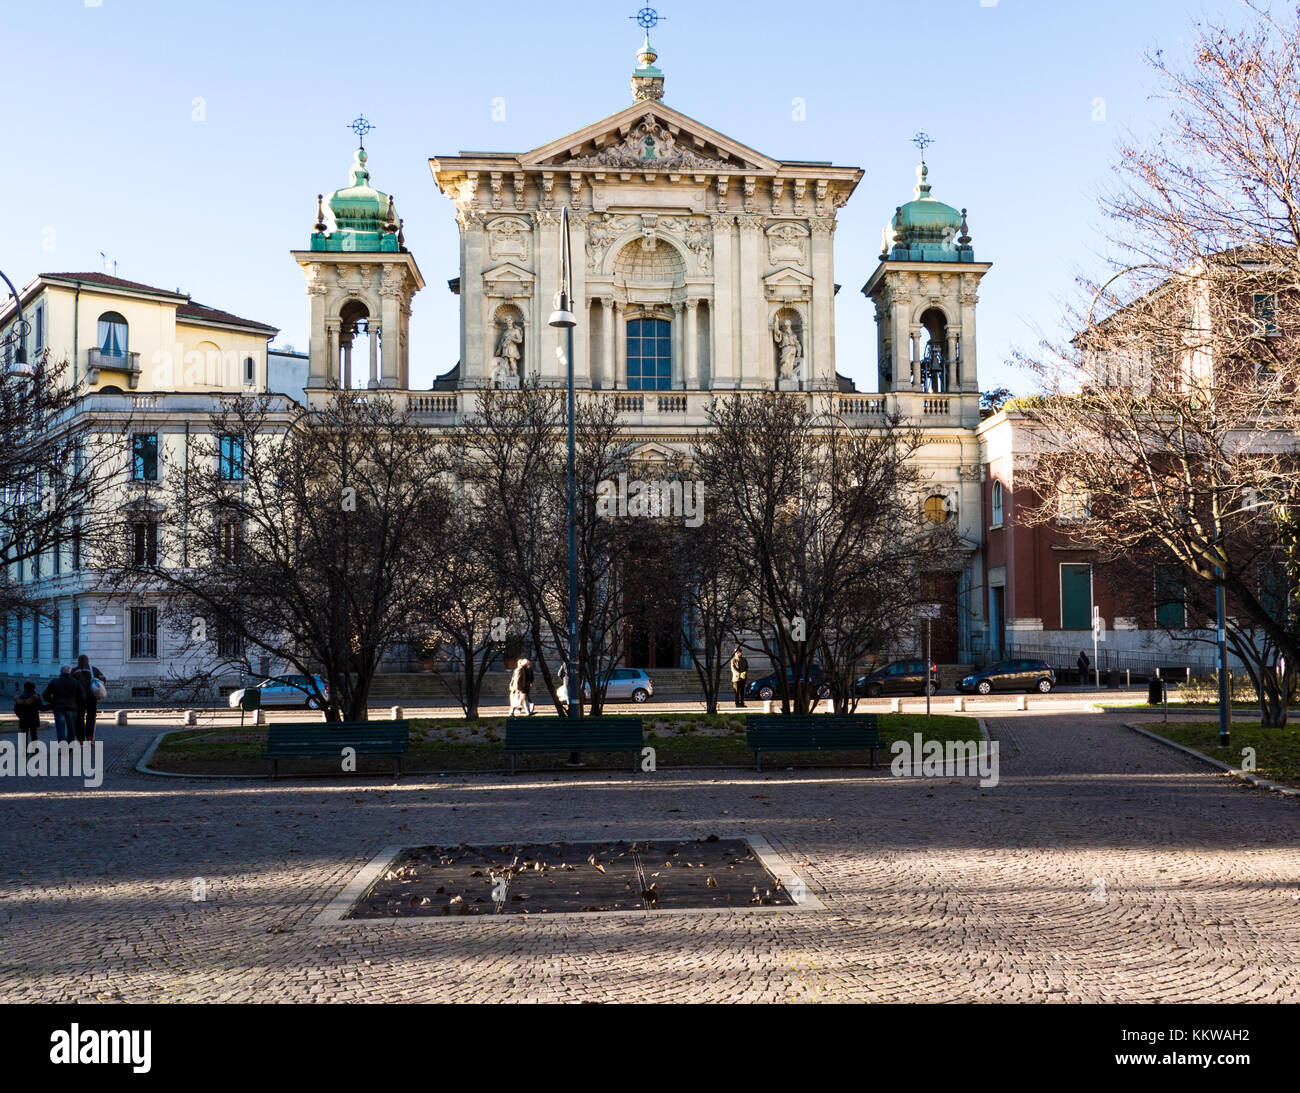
{"x":27,"y":705}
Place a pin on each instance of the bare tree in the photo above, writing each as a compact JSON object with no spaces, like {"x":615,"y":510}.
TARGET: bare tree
{"x":516,"y":469}
{"x":301,"y":541}
{"x":1167,"y":427}
{"x":827,"y":520}
{"x":58,"y":463}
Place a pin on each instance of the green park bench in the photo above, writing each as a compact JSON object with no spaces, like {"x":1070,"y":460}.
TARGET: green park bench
{"x":819,"y":732}
{"x":574,"y":734}
{"x":327,"y":739}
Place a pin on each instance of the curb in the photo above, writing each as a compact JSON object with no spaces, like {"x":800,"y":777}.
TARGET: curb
{"x":1246,"y":776}
{"x":142,"y":767}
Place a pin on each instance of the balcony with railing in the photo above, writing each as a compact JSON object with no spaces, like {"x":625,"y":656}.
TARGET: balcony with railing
{"x":127,"y":364}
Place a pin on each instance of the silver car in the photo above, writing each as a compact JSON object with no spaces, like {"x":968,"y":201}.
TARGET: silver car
{"x":287,"y":691}
{"x":628,"y":683}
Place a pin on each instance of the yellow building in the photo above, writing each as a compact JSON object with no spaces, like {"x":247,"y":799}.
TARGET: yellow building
{"x":154,"y":363}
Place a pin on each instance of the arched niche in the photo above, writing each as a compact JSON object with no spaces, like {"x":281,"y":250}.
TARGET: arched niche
{"x":509,"y":334}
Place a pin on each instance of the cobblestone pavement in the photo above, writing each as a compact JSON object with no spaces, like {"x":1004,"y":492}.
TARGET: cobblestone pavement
{"x":1104,"y":867}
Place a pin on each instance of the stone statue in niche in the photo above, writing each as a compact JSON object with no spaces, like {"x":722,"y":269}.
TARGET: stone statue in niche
{"x":505,"y":364}
{"x":789,"y":350}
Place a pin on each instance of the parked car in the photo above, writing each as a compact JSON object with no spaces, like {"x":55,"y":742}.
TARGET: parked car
{"x":769,"y":686}
{"x":632,"y":683}
{"x":1011,"y":675}
{"x":900,"y":677}
{"x":287,"y":691}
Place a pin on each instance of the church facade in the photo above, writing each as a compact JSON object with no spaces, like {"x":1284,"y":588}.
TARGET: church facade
{"x":701,"y":266}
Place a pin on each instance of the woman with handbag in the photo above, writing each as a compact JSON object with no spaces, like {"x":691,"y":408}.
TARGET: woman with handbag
{"x":93,"y":686}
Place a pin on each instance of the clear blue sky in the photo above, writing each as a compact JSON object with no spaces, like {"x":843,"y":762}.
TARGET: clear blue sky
{"x":108,"y":155}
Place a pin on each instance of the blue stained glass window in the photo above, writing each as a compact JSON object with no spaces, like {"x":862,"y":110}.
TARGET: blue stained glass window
{"x":649,"y":355}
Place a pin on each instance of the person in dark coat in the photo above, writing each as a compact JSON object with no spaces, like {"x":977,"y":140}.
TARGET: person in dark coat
{"x":63,"y":695}
{"x":86,"y":674}
{"x":739,"y":676}
{"x":27,"y":705}
{"x":1084,"y":664}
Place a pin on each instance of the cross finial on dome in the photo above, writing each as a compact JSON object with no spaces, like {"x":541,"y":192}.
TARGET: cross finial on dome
{"x":923,"y":140}
{"x":361,"y":127}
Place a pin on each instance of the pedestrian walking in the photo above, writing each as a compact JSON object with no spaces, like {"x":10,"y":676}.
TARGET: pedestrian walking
{"x":1084,"y":665}
{"x":63,"y":695}
{"x":27,"y":706}
{"x":739,"y":676}
{"x":94,"y":686}
{"x":526,"y":686}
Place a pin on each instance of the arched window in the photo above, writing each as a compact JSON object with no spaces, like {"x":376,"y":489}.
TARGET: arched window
{"x":997,"y":504}
{"x":649,"y":355}
{"x":113,"y":335}
{"x":934,"y":358}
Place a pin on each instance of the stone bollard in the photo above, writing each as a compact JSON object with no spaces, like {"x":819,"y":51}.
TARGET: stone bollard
{"x":895,"y":705}
{"x":959,"y":704}
{"x":259,"y":717}
{"x":1022,"y":702}
{"x":396,"y":713}
{"x":121,"y":717}
{"x":190,"y":717}
{"x":324,"y":716}
{"x":767,"y":705}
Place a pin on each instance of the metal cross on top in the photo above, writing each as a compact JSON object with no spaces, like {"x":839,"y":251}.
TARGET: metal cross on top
{"x":923,"y":140}
{"x":361,"y":127}
{"x":647,"y":18}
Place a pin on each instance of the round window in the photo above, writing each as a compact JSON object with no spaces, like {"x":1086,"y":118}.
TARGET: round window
{"x":936,"y":508}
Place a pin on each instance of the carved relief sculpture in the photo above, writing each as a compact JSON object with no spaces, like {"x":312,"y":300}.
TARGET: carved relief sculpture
{"x":649,"y":145}
{"x":787,"y":243}
{"x":508,"y":239}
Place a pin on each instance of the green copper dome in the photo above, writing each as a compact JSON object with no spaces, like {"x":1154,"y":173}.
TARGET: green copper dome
{"x":357,"y":217}
{"x":927,"y":230}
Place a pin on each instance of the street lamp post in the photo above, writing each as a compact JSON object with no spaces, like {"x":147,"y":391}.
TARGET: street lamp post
{"x":563,"y":318}
{"x":1225,"y":716}
{"x":19,"y":367}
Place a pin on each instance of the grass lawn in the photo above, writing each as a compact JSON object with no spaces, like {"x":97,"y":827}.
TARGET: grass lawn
{"x":1277,"y":751}
{"x":450,"y":746}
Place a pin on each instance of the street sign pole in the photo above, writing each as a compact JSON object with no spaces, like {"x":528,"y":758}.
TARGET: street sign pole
{"x":1096,"y":627}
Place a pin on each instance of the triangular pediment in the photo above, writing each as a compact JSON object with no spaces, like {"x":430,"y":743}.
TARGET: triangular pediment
{"x":648,"y":136}
{"x":508,"y":271}
{"x":788,"y":275}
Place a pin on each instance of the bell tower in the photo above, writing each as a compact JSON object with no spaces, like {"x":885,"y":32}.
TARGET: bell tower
{"x":360,"y":280}
{"x":925,"y":291}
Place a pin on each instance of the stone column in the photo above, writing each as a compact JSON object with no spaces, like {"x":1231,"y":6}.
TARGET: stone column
{"x":902,"y":350}
{"x":822,"y":350}
{"x":373,"y":330}
{"x":754,"y":339}
{"x":318,"y":364}
{"x":347,"y":360}
{"x":723,"y":314}
{"x":969,"y":366}
{"x":476,"y":358}
{"x":950,"y":364}
{"x":331,"y":359}
{"x":390,"y":312}
{"x":608,"y":367}
{"x":620,"y":347}
{"x":582,"y":341}
{"x":691,"y":364}
{"x":540,"y":346}
{"x":677,"y":372}
{"x":914,"y":356}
